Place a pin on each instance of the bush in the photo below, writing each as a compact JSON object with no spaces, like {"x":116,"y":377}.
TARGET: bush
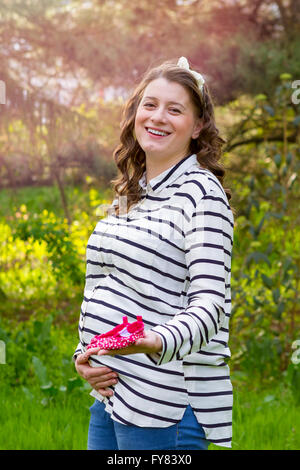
{"x":39,"y":356}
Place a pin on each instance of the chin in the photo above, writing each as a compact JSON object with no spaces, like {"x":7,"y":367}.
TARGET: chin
{"x":151,"y":149}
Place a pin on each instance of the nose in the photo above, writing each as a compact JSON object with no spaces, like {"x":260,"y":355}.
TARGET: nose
{"x":158,"y":115}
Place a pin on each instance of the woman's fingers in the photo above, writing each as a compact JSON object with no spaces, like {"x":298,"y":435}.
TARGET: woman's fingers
{"x":103,"y":381}
{"x":98,"y":377}
{"x":84,"y":357}
{"x":100,"y":381}
{"x":105,"y":392}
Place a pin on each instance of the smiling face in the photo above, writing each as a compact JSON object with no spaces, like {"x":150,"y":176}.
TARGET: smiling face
{"x":165,"y":122}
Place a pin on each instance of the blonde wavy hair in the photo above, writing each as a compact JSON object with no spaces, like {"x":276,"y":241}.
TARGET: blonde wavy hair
{"x":130,"y":157}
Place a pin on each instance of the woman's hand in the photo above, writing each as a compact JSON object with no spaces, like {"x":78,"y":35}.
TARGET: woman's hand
{"x":98,"y":377}
{"x":151,"y":343}
{"x":102,"y":377}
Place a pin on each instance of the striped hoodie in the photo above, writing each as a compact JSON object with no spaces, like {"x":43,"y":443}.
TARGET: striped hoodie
{"x":169,"y":260}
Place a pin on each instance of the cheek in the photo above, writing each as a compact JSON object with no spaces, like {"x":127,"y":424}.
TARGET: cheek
{"x":140,"y":116}
{"x":182,"y":129}
{"x":139,"y":126}
{"x":187,"y":128}
{"x":138,"y":123}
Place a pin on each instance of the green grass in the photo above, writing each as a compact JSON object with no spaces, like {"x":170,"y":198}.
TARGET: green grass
{"x":28,"y":425}
{"x":262,"y":421}
{"x":265,"y":420}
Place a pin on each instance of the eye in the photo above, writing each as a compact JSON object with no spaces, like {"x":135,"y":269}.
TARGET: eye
{"x":175,"y":110}
{"x":149,"y":105}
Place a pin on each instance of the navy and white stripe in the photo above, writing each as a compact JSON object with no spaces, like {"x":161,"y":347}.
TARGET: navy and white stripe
{"x":169,"y":260}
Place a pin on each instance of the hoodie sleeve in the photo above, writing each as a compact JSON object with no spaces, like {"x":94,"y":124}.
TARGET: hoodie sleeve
{"x":208,"y":246}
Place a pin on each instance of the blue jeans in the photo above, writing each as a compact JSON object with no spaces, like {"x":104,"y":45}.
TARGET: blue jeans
{"x":107,"y":434}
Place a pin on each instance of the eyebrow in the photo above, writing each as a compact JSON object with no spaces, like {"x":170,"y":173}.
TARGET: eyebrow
{"x":169,"y":102}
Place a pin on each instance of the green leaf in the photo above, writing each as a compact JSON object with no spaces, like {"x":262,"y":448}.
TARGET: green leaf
{"x":289,"y":158}
{"x":47,"y":387}
{"x":280,"y":310}
{"x":267,"y":172}
{"x":268,"y":282}
{"x":3,"y":296}
{"x":260,"y":97}
{"x":296,"y":121}
{"x":287,"y":263}
{"x":251,"y":183}
{"x":42,"y":330}
{"x":270,"y":248}
{"x":258,"y":302}
{"x":257,"y":256}
{"x":40,"y":371}
{"x":276,"y":295}
{"x":285,"y":76}
{"x":27,"y":393}
{"x":269,"y":398}
{"x":45,"y":402}
{"x":277,"y":215}
{"x":269,"y":110}
{"x":277,"y":159}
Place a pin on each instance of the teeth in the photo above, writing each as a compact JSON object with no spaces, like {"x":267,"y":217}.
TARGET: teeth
{"x":154,"y":131}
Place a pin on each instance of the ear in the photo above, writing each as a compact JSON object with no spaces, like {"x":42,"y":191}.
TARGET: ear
{"x":197,"y":128}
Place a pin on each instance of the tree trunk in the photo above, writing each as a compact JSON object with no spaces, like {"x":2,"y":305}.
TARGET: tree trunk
{"x":62,"y":193}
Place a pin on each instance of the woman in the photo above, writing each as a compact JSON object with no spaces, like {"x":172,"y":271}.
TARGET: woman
{"x":163,"y":253}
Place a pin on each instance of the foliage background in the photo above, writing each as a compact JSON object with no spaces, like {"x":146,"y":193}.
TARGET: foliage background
{"x":66,"y":68}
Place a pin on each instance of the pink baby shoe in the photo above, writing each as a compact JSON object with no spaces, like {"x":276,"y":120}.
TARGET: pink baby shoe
{"x":119,"y":337}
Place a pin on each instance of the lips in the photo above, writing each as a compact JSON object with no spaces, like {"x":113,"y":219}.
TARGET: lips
{"x":155,"y":132}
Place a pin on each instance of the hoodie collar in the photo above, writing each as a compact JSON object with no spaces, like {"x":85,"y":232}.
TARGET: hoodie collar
{"x":165,"y":178}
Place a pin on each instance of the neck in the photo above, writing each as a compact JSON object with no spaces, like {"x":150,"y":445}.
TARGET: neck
{"x":155,"y":168}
